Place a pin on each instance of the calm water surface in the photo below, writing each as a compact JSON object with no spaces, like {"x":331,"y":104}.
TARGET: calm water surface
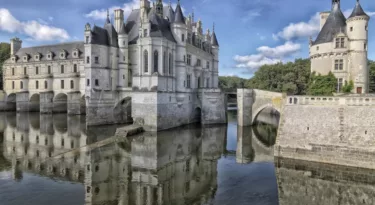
{"x":57,"y":160}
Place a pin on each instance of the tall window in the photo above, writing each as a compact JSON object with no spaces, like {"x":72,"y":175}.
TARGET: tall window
{"x":62,"y":68}
{"x":170,"y":64}
{"x":365,"y":46}
{"x":145,"y":32}
{"x":340,"y":42}
{"x":97,"y":60}
{"x":62,"y":84}
{"x":208,"y":64}
{"x":88,"y":82}
{"x":49,"y":69}
{"x":339,"y":84}
{"x":199,"y":62}
{"x":208,"y":83}
{"x":96,"y":82}
{"x":189,"y":38}
{"x":12,"y":84}
{"x":45,"y":85}
{"x":183,"y":37}
{"x":145,"y":60}
{"x":37,"y":70}
{"x":199,"y":82}
{"x":71,"y":84}
{"x":12,"y":71}
{"x":21,"y":84}
{"x":156,"y":61}
{"x":75,"y":68}
{"x":87,"y":39}
{"x":188,"y":61}
{"x":37,"y":84}
{"x":188,"y":81}
{"x":164,"y":63}
{"x":339,"y":64}
{"x":24,"y":70}
{"x":87,"y":59}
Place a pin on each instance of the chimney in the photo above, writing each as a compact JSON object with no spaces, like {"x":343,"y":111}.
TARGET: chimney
{"x":15,"y":45}
{"x":119,"y":19}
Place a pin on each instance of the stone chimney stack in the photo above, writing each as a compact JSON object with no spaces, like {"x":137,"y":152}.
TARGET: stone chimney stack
{"x":15,"y":45}
{"x":119,"y":19}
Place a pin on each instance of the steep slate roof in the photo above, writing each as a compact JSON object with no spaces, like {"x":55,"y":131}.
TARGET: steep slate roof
{"x":55,"y":49}
{"x":112,"y":35}
{"x":160,"y":27}
{"x":169,"y":13}
{"x":122,"y":29}
{"x":358,"y":11}
{"x":336,"y":23}
{"x":99,"y":36}
{"x":179,"y":16}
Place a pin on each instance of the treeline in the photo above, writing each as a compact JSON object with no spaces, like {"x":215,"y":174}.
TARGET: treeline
{"x":293,"y":78}
{"x":4,"y":54}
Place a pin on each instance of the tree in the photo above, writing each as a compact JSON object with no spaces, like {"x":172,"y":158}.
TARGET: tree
{"x":371,"y":65}
{"x":348,"y":87}
{"x":4,"y":54}
{"x":322,"y":84}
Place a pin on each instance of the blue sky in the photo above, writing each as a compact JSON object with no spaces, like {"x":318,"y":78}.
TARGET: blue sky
{"x":250,"y":32}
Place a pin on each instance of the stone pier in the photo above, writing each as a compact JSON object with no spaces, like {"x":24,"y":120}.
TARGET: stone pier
{"x":46,"y":102}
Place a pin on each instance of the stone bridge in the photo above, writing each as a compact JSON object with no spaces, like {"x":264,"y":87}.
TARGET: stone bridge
{"x":252,"y":101}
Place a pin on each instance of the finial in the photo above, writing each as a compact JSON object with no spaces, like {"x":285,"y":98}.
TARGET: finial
{"x":178,"y":2}
{"x":108,"y":21}
{"x":107,"y":13}
{"x":192,"y":16}
{"x":213,"y":27}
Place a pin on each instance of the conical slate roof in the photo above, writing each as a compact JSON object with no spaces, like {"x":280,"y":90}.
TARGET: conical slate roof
{"x":122,"y":30}
{"x":358,"y":11}
{"x":336,"y":23}
{"x":112,"y":35}
{"x":214,"y":41}
{"x":169,"y":13}
{"x":179,"y":16}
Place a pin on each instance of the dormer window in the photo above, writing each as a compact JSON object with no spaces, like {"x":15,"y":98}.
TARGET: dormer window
{"x":340,"y":42}
{"x":317,"y":48}
{"x":145,"y":32}
{"x":13,"y":59}
{"x":351,"y":28}
{"x":25,"y":58}
{"x":63,"y":55}
{"x":37,"y":57}
{"x":49,"y":55}
{"x":75,"y":53}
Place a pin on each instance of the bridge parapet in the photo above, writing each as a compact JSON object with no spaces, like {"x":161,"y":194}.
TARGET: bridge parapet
{"x":331,"y":100}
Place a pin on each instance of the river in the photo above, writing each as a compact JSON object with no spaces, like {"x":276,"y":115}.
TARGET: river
{"x":45,"y":160}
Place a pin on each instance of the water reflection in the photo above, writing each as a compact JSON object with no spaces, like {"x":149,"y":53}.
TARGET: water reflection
{"x":177,"y":166}
{"x":311,"y":183}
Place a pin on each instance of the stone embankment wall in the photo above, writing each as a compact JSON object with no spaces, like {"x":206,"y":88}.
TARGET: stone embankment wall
{"x":337,"y":130}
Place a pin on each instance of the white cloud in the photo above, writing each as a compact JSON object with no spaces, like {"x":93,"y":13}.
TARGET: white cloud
{"x":101,"y":14}
{"x":36,"y":30}
{"x":300,"y":30}
{"x":250,"y":15}
{"x":267,"y":55}
{"x":50,"y":18}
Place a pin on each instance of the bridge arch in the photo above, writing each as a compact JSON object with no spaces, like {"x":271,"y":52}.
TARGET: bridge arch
{"x":122,"y":112}
{"x":11,"y":102}
{"x":264,"y":107}
{"x":34,"y":104}
{"x":60,"y":103}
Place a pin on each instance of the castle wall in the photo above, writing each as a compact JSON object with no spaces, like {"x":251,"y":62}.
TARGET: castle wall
{"x":337,"y":130}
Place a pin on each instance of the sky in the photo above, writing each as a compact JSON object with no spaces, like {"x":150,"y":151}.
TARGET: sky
{"x":251,"y":33}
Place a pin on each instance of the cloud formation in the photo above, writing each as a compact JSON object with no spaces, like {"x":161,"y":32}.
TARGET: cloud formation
{"x":267,"y":55}
{"x":35,"y":29}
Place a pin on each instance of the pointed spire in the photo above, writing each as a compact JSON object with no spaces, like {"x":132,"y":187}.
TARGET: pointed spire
{"x":107,"y":21}
{"x":214,"y":41}
{"x":179,"y":16}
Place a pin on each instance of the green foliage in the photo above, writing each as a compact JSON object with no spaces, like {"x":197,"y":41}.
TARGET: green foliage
{"x":322,"y":84}
{"x":4,"y":54}
{"x":371,"y":66}
{"x":230,"y":84}
{"x":348,"y":87}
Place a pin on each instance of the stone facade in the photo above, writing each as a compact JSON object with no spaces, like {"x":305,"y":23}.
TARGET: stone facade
{"x":337,"y":130}
{"x":341,"y":47}
{"x":156,"y":68}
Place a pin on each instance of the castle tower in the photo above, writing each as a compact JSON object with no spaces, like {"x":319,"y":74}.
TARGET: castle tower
{"x":179,"y":29}
{"x":144,"y":6}
{"x":125,"y":75}
{"x":357,"y":30}
{"x":159,"y":7}
{"x":119,"y":19}
{"x":215,"y":52}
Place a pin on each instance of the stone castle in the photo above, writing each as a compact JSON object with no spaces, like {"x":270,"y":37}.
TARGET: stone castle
{"x":341,"y":47}
{"x":157,"y":68}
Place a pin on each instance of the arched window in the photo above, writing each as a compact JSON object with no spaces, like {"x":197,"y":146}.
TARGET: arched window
{"x":170,"y":63}
{"x":156,"y":61}
{"x":45,"y":84}
{"x":145,"y":60}
{"x":37,"y":84}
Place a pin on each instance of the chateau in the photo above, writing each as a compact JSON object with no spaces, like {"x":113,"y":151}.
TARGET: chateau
{"x":341,"y":47}
{"x":158,"y":68}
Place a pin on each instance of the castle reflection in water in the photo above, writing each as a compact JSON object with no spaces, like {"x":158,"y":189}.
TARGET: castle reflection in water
{"x":171,"y":167}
